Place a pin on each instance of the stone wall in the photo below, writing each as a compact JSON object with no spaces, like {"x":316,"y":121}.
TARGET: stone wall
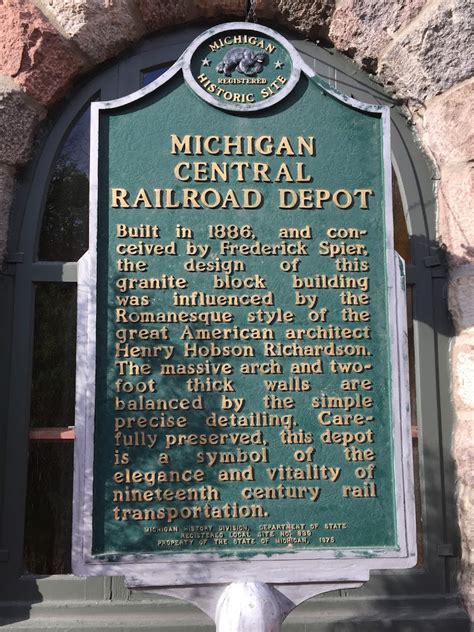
{"x":420,"y":50}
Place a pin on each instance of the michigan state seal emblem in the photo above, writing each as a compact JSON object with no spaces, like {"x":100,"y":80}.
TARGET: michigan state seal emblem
{"x":241,"y":67}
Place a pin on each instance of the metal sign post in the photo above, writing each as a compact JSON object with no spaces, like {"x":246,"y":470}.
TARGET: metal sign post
{"x":242,"y":415}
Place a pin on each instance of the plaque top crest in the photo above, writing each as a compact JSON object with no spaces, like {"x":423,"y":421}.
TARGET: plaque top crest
{"x":241,"y":67}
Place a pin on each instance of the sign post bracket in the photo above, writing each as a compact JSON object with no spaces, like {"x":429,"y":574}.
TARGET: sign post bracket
{"x":252,"y":605}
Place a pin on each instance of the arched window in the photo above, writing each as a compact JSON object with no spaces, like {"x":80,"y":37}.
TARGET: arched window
{"x":49,"y":234}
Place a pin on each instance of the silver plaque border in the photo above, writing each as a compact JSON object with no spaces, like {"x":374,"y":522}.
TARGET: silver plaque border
{"x":200,"y":569}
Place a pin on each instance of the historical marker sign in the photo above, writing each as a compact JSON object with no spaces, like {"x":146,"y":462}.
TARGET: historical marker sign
{"x":242,"y":400}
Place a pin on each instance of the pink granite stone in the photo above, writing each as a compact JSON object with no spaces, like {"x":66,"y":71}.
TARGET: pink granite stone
{"x":33,"y":53}
{"x":363,"y":28}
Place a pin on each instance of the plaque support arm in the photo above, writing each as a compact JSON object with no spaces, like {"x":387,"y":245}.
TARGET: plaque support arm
{"x":251,"y":606}
{"x":255,"y":606}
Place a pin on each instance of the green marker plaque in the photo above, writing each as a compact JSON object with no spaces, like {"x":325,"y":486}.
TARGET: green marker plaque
{"x":242,"y":399}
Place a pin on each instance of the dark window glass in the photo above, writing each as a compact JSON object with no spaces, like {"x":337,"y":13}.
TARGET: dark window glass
{"x":401,"y":238}
{"x":64,"y":237}
{"x":64,"y":233}
{"x":49,"y":508}
{"x":54,"y":355}
{"x":153,"y":73}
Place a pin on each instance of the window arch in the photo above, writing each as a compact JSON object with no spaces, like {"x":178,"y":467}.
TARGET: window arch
{"x":47,"y":237}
